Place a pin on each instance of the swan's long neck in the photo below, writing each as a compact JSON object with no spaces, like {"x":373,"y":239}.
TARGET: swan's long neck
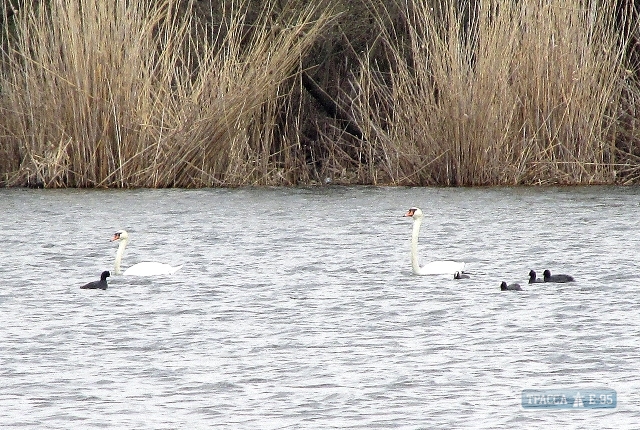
{"x":119,"y":254}
{"x":415,"y":266}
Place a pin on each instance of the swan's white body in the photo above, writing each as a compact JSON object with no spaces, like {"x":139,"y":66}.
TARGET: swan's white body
{"x":147,"y":268}
{"x":444,"y":267}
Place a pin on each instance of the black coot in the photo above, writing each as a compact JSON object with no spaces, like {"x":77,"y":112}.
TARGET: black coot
{"x":511,"y":287}
{"x":459,"y":275}
{"x":101,"y":284}
{"x":533,"y":279}
{"x":548,"y":277}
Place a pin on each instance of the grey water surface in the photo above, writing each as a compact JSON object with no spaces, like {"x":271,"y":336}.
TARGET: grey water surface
{"x":297,"y":308}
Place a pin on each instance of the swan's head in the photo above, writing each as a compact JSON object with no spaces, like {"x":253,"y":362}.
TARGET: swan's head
{"x":105,"y":275}
{"x":532,"y":274}
{"x":415,"y":213}
{"x":503,"y":286}
{"x":546,"y":274}
{"x":120,"y":235}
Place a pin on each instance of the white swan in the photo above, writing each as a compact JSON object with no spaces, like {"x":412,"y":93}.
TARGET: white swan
{"x":435,"y":267}
{"x":147,"y":268}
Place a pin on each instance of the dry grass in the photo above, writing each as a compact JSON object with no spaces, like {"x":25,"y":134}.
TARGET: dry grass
{"x":138,"y":94}
{"x":530,"y":93}
{"x":135,"y":94}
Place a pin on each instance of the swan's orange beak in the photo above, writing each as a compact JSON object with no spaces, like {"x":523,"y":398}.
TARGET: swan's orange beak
{"x":115,"y":237}
{"x":410,"y":212}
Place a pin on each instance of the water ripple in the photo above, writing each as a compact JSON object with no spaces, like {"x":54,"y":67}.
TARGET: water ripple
{"x":296,"y":308}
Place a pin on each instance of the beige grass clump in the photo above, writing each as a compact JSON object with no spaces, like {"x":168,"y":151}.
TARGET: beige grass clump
{"x":507,"y":93}
{"x":133,"y":94}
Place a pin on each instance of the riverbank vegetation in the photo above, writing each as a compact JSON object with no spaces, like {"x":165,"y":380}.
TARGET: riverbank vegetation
{"x":171,"y":93}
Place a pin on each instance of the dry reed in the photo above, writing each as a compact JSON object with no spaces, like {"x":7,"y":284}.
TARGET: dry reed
{"x":139,"y":94}
{"x":507,"y":93}
{"x":136,"y":94}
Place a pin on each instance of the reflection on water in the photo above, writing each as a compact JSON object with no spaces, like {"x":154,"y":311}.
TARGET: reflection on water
{"x":297,"y":308}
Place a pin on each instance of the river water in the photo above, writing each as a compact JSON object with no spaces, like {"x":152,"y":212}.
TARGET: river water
{"x":297,"y":308}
